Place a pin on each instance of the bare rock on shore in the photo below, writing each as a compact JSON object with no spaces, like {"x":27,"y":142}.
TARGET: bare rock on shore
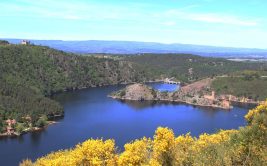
{"x":196,"y":87}
{"x":136,"y":92}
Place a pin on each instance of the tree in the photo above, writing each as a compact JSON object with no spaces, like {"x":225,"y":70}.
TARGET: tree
{"x":2,"y":125}
{"x":42,"y":121}
{"x":19,"y":128}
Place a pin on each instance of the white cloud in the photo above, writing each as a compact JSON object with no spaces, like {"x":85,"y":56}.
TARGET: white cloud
{"x":211,"y":18}
{"x":232,"y":20}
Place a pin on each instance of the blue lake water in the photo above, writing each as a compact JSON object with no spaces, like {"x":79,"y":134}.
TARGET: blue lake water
{"x":89,"y":113}
{"x":164,"y":87}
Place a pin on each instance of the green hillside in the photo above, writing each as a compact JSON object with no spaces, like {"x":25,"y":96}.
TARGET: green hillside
{"x":178,"y":65}
{"x":29,"y":74}
{"x":249,"y":84}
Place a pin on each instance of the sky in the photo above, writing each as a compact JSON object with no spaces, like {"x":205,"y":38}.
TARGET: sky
{"x":231,"y":23}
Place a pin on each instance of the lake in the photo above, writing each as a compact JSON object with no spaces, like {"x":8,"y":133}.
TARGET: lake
{"x":89,"y":113}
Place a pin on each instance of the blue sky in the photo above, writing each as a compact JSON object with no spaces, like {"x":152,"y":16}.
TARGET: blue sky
{"x":235,"y":23}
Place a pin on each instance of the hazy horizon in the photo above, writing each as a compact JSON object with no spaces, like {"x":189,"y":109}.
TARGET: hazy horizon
{"x":226,"y":23}
{"x":133,"y":41}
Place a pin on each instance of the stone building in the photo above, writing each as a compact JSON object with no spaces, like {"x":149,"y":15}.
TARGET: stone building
{"x":25,"y":42}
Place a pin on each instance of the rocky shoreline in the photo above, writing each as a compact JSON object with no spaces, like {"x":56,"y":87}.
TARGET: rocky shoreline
{"x":10,"y":132}
{"x":27,"y":130}
{"x":188,"y":94}
{"x":176,"y":101}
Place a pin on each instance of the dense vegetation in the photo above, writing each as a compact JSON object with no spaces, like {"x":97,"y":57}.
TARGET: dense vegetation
{"x":246,"y":146}
{"x":29,"y":74}
{"x":249,"y":84}
{"x":21,"y":103}
{"x":178,"y":65}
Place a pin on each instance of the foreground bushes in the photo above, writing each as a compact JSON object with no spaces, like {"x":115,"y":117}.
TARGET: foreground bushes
{"x":246,"y":146}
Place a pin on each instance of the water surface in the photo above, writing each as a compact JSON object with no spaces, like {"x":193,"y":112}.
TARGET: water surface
{"x":89,"y":113}
{"x":164,"y":87}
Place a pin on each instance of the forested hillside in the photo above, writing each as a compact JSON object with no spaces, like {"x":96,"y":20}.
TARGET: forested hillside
{"x":31,"y":73}
{"x":249,"y":84}
{"x":187,"y":67}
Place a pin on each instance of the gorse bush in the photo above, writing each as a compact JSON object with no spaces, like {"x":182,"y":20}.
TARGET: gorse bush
{"x":246,"y":146}
{"x":136,"y":153}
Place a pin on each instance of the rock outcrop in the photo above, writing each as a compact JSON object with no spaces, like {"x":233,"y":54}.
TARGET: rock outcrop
{"x":136,"y":92}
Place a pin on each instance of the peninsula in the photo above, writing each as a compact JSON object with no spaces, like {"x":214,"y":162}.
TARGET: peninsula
{"x":195,"y":94}
{"x":199,"y":93}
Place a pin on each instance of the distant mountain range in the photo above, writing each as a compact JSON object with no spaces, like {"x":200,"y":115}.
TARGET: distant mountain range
{"x":132,"y":47}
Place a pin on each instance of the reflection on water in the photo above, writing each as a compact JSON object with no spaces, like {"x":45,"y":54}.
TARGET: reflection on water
{"x":36,"y":137}
{"x":142,"y":105}
{"x":20,"y":139}
{"x":139,"y":105}
{"x":89,"y":113}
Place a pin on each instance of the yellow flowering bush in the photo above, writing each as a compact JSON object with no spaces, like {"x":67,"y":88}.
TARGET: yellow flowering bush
{"x":183,"y":149}
{"x":259,"y":109}
{"x":205,"y":140}
{"x":91,"y":153}
{"x":136,"y":153}
{"x":163,"y":145}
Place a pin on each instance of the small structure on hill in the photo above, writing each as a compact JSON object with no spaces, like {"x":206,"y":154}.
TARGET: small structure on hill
{"x":25,"y":42}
